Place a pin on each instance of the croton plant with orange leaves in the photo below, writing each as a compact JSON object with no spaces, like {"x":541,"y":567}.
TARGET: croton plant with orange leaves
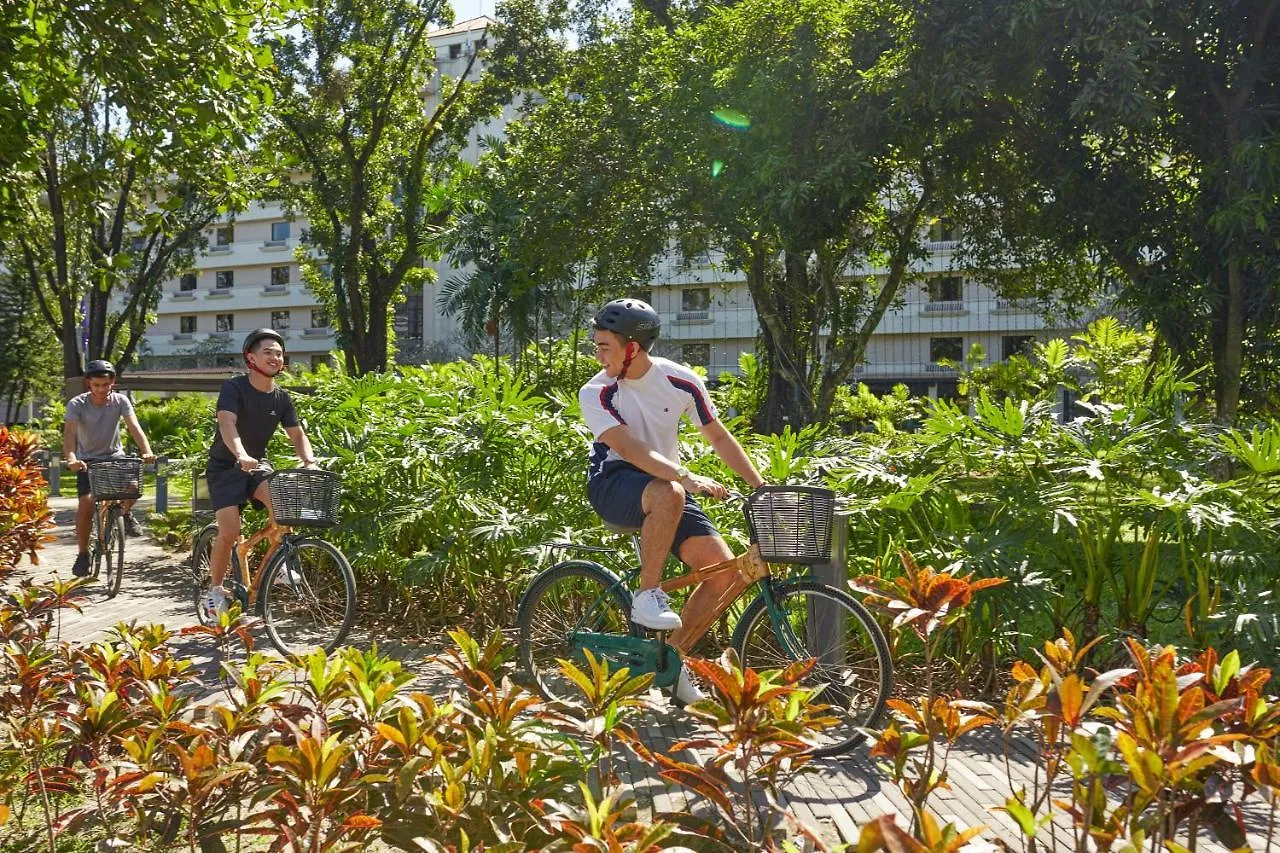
{"x":24,"y":504}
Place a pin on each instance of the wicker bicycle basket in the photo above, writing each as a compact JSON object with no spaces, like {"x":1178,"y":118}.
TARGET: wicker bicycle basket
{"x":792,"y":524}
{"x":304,"y":497}
{"x":116,"y":479}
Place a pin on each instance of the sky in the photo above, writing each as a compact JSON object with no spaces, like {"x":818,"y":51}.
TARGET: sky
{"x":464,"y":10}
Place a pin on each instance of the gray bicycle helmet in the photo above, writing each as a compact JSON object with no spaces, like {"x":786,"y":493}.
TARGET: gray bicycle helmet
{"x":100,"y":367}
{"x":633,"y":319}
{"x":251,"y":339}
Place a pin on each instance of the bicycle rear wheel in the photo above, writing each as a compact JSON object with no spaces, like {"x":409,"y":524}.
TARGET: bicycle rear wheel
{"x":820,"y":621}
{"x":572,"y":596}
{"x":308,"y":597}
{"x":113,"y":550}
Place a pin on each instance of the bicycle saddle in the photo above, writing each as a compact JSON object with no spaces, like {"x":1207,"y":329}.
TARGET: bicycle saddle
{"x":625,"y":531}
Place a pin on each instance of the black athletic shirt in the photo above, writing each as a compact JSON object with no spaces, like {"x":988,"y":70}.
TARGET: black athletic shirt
{"x":258,"y":413}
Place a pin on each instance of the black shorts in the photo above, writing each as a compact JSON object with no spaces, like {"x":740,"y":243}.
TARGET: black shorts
{"x":230,"y":486}
{"x":615,"y":495}
{"x":82,"y":484}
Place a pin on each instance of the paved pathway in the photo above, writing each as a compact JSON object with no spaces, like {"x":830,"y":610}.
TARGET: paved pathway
{"x":833,"y":800}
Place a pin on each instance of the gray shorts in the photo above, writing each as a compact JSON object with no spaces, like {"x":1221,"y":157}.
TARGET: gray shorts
{"x":615,"y":495}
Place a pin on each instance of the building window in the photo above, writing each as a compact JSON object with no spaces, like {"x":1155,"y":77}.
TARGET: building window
{"x":949,"y":288}
{"x":187,"y":324}
{"x":1011,"y":345}
{"x":942,"y":231}
{"x":280,"y":320}
{"x":455,"y":51}
{"x":187,"y":282}
{"x":951,"y":349}
{"x":225,"y":323}
{"x":224,"y":235}
{"x":279,"y":275}
{"x":695,"y":299}
{"x":481,"y":44}
{"x":696,"y":355}
{"x":319,"y":318}
{"x":224,"y":279}
{"x":279,"y":232}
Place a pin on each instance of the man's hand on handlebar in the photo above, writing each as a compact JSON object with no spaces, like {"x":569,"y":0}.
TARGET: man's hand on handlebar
{"x":78,"y":465}
{"x":248,"y":464}
{"x":148,"y":458}
{"x":696,"y":484}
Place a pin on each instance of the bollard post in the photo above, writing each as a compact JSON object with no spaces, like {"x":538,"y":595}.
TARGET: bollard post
{"x":55,"y":474}
{"x":162,"y":484}
{"x":826,"y":630}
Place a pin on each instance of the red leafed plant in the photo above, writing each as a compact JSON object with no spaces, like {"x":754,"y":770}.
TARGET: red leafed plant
{"x":24,"y":504}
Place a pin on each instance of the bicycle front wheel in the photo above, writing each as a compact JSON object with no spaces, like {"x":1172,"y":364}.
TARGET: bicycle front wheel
{"x":308,"y":597}
{"x":200,"y":554}
{"x":113,"y":550}
{"x":568,"y":597}
{"x":810,"y":619}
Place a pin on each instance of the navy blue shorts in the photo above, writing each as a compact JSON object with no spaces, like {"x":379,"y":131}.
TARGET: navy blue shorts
{"x":615,"y":495}
{"x":231,"y":486}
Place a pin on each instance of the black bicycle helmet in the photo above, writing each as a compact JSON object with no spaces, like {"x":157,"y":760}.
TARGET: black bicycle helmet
{"x":633,"y":319}
{"x":100,"y":367}
{"x":251,"y":339}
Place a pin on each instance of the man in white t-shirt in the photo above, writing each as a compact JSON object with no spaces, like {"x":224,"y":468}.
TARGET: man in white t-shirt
{"x":633,"y":407}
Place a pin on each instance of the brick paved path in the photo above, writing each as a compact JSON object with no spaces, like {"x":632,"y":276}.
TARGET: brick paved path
{"x":833,"y":800}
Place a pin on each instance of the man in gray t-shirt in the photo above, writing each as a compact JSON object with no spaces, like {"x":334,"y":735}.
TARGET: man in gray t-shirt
{"x":91,"y":433}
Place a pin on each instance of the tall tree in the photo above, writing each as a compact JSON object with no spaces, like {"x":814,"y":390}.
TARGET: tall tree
{"x":1146,"y":136}
{"x":126,"y":158}
{"x":373,"y":133}
{"x":791,"y":137}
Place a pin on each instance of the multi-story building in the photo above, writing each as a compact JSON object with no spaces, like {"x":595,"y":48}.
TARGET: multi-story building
{"x":709,"y":321}
{"x":247,"y":278}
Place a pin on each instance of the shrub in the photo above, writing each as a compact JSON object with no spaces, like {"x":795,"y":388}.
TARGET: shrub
{"x":24,"y":506}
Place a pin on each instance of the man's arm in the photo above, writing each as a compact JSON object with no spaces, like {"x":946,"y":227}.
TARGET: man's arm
{"x":139,"y":437}
{"x":731,"y":452}
{"x":301,"y":445}
{"x":231,"y":438}
{"x":623,"y":442}
{"x":69,"y":446}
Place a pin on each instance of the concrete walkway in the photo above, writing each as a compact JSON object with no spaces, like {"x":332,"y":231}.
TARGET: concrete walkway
{"x":833,"y":801}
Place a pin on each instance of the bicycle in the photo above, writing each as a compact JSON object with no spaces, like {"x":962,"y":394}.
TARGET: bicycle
{"x":579,"y":605}
{"x":112,"y":482}
{"x":303,"y":586}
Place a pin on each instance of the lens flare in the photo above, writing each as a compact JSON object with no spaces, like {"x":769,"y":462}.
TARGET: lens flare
{"x":717,"y":166}
{"x":732,"y":119}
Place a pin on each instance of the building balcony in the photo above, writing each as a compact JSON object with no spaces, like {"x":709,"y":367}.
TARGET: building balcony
{"x":323,"y":332}
{"x":224,"y":249}
{"x":950,"y":306}
{"x":275,"y":245}
{"x":694,"y":317}
{"x":275,"y":290}
{"x":219,"y":293}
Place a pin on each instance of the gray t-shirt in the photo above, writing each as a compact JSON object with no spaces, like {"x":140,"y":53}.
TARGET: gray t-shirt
{"x":98,"y":427}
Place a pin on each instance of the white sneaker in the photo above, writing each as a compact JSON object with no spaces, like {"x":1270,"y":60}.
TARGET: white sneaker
{"x":288,"y":576}
{"x":215,"y":603}
{"x":685,"y":691}
{"x":652,"y":609}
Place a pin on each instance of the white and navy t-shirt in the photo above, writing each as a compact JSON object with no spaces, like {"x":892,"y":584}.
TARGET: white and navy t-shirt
{"x":651,"y":407}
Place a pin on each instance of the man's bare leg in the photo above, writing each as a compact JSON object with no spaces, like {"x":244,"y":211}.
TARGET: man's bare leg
{"x":698,"y":552}
{"x":663,"y":505}
{"x":84,"y":522}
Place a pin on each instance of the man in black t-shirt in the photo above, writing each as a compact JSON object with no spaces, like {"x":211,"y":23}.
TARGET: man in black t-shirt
{"x":250,"y":407}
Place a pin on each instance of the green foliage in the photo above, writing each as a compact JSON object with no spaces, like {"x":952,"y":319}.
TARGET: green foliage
{"x":179,"y":427}
{"x":120,"y":165}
